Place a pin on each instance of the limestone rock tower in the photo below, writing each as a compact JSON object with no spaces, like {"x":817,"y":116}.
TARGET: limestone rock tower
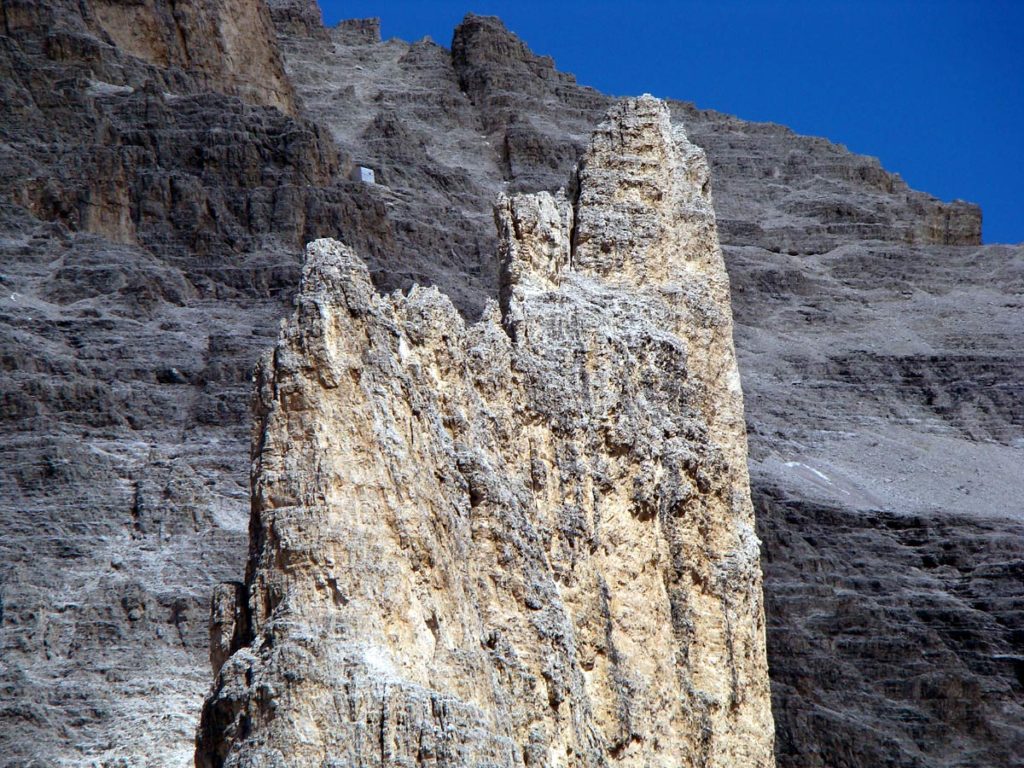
{"x":522,"y":542}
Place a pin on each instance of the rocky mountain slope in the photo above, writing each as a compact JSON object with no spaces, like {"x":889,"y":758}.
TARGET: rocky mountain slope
{"x":155,"y":198}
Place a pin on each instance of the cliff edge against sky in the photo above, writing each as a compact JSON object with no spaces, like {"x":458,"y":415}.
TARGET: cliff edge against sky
{"x":154,"y":211}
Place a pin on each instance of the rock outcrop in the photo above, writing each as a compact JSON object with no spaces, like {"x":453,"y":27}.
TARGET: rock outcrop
{"x":152,"y":226}
{"x":229,"y":43}
{"x":528,"y":541}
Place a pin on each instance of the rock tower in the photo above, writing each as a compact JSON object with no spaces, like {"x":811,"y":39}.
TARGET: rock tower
{"x":523,"y":542}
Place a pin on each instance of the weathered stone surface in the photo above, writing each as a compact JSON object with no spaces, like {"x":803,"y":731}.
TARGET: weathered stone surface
{"x":397,"y":108}
{"x":883,"y":388}
{"x":524,"y":542}
{"x":539,"y":117}
{"x":227,"y":42}
{"x":226,"y":45}
{"x":902,"y":625}
{"x":151,"y":231}
{"x":801,"y":195}
{"x":299,"y":18}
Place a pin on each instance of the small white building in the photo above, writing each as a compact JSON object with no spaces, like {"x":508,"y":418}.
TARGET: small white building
{"x":363,"y":174}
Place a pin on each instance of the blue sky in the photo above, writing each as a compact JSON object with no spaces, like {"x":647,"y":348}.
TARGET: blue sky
{"x":934,"y":88}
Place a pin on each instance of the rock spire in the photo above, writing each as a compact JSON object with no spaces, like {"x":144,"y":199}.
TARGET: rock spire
{"x":526,"y":541}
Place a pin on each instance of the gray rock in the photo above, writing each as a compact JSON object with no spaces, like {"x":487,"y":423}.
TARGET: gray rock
{"x":149,"y":224}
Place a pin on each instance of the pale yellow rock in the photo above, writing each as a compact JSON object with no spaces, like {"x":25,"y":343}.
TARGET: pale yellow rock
{"x":229,"y":42}
{"x":526,"y":542}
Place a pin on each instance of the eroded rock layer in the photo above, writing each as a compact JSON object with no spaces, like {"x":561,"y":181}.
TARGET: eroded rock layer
{"x":153,"y":216}
{"x":527,"y":541}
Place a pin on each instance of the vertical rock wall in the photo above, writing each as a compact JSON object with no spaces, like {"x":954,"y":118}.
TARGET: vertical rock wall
{"x":228,"y":42}
{"x":152,"y":225}
{"x":528,"y":541}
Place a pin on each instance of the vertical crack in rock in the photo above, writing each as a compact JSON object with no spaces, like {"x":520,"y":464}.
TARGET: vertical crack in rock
{"x":540,"y":524}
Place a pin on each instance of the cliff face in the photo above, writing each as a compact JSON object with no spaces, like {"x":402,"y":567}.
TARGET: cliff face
{"x":528,"y":541}
{"x":150,"y":226}
{"x":880,"y":346}
{"x":152,"y":221}
{"x":227,"y":45}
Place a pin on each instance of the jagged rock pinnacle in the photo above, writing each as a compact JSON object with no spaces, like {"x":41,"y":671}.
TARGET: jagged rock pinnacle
{"x":528,"y":541}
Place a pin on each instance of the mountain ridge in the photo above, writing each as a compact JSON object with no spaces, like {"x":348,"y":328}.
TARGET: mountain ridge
{"x":139,"y":301}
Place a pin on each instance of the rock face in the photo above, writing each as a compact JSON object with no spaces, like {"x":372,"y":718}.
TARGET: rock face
{"x":528,"y":541}
{"x":149,"y":229}
{"x":152,"y":224}
{"x":228,"y":42}
{"x":882,"y":384}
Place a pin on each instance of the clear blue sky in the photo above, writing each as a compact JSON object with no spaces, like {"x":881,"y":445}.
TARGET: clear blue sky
{"x":934,"y":88}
